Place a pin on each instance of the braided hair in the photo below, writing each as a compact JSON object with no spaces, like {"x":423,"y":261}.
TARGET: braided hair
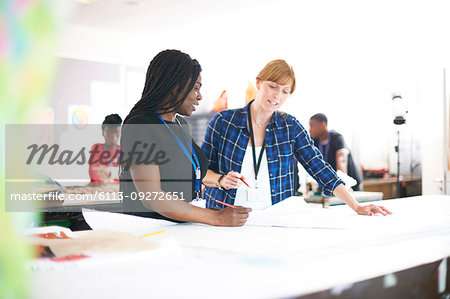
{"x":170,"y":77}
{"x":112,"y":120}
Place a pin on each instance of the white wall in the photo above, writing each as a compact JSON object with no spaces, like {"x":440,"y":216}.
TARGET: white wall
{"x":433,"y":131}
{"x":349,"y":56}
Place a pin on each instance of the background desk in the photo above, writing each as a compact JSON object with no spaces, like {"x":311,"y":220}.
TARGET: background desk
{"x":411,"y":186}
{"x":68,"y":212}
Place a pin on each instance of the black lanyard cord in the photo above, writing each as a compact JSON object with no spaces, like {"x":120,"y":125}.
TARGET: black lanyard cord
{"x":256,"y":166}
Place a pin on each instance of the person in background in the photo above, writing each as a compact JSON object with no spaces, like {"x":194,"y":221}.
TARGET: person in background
{"x":104,"y":158}
{"x":259,"y":144}
{"x":333,"y":148}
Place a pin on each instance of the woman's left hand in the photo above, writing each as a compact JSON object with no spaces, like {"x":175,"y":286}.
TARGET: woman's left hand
{"x":370,"y":210}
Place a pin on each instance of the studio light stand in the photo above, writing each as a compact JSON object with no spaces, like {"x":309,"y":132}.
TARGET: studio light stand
{"x":399,"y":113}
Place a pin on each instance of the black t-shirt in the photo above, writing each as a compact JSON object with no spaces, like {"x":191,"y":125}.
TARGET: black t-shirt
{"x":335,"y":143}
{"x":146,"y":134}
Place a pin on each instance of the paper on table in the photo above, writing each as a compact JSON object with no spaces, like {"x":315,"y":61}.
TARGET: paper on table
{"x":406,"y":213}
{"x":134,"y":225}
{"x":102,"y":247}
{"x":96,"y":243}
{"x":294,"y":212}
{"x":49,"y":229}
{"x":319,"y":259}
{"x":349,"y":182}
{"x":292,"y":204}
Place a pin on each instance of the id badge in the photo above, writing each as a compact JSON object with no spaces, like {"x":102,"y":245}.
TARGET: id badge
{"x":255,"y":194}
{"x":201,"y":203}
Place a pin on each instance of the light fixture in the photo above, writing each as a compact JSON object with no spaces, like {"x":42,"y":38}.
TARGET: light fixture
{"x":398,"y":109}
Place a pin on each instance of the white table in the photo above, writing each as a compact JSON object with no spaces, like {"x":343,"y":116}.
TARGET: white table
{"x":270,"y":262}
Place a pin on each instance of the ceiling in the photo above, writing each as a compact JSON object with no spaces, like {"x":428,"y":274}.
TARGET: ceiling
{"x":143,"y":16}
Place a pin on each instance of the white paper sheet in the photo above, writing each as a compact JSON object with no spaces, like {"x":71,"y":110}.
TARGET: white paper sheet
{"x":408,"y":215}
{"x":269,"y":262}
{"x":49,"y":229}
{"x":134,"y":225}
{"x":293,"y":212}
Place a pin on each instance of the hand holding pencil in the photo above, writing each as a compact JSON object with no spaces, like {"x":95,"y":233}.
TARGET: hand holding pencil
{"x":232,"y":180}
{"x":232,"y":216}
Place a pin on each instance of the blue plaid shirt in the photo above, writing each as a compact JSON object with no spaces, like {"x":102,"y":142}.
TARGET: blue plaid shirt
{"x":227,"y":138}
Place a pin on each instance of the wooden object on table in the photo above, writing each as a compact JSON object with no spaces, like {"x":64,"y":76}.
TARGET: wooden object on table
{"x":411,"y":186}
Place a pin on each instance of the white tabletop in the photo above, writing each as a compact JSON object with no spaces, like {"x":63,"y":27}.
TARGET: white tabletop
{"x":321,"y":249}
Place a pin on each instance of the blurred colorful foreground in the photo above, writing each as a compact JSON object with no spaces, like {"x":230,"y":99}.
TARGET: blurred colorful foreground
{"x":28,"y":32}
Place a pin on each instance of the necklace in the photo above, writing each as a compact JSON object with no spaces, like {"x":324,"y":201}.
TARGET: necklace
{"x":263,"y":124}
{"x":260,"y":125}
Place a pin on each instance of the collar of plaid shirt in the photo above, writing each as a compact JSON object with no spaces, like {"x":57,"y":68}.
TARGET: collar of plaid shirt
{"x":242,"y":121}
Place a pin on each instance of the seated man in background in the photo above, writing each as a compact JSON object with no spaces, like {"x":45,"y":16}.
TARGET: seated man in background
{"x":332,"y":146}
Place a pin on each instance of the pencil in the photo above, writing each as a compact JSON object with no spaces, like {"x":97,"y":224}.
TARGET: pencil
{"x":244,"y":182}
{"x":224,"y":203}
{"x":152,"y":234}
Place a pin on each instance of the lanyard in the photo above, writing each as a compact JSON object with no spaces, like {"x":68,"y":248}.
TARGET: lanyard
{"x":256,"y":166}
{"x":327,"y":149}
{"x":196,"y":163}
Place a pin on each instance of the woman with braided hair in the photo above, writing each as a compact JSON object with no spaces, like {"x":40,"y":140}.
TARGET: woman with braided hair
{"x":161,"y":167}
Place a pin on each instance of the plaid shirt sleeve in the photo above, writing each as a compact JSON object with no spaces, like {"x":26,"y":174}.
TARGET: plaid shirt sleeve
{"x":224,"y":146}
{"x":312,"y":160}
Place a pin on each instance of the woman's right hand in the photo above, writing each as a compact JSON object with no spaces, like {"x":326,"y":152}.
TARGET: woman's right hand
{"x":231,"y":181}
{"x":232,"y":216}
